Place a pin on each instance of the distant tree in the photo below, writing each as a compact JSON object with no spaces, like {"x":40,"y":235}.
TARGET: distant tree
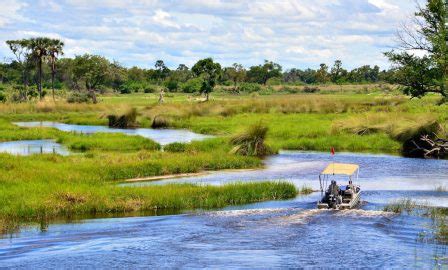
{"x":119,"y":75}
{"x":162,"y":71}
{"x":182,"y":67}
{"x":262,"y":73}
{"x":94,"y":70}
{"x":20,"y":50}
{"x":236,"y":73}
{"x":427,"y":73}
{"x":181,"y":74}
{"x":136,"y":74}
{"x":322,"y":75}
{"x":337,"y":72}
{"x":54,"y":49}
{"x":210,"y":72}
{"x":39,"y":51}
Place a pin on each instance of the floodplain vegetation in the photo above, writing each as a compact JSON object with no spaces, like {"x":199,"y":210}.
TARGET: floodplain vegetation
{"x":439,"y":216}
{"x":247,"y":127}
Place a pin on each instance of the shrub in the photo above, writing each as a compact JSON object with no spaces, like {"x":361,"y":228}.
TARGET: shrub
{"x":2,"y":97}
{"x":249,"y":87}
{"x":290,"y":90}
{"x":160,"y":121}
{"x":192,"y":86}
{"x":251,"y":142}
{"x":175,"y":147}
{"x":172,"y":85}
{"x":149,"y":89}
{"x":311,"y":89}
{"x":128,"y":119}
{"x":78,"y":97}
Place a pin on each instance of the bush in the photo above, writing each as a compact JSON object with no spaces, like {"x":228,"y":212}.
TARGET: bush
{"x":290,"y":90}
{"x":172,"y":85}
{"x":2,"y":97}
{"x":249,"y":87}
{"x":192,"y":86}
{"x":175,"y":147}
{"x":78,"y":97}
{"x":160,"y":121}
{"x":130,"y":87}
{"x":311,"y":89}
{"x":129,"y":119}
{"x":251,"y":142}
{"x":149,"y":89}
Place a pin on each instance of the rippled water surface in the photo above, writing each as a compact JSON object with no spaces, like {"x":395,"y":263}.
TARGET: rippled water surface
{"x":285,"y":234}
{"x":162,"y":136}
{"x":25,"y":148}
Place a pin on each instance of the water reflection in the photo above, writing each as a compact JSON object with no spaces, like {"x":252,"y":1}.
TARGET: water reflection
{"x":30,"y":147}
{"x":162,"y":136}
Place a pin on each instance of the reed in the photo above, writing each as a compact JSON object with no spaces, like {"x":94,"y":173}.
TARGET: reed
{"x":251,"y":141}
{"x":399,"y":206}
{"x":70,"y":201}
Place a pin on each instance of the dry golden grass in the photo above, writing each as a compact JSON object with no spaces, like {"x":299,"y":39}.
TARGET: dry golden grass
{"x":277,"y":104}
{"x":399,"y":126}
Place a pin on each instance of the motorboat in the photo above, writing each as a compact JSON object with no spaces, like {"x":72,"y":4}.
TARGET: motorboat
{"x":339,"y":196}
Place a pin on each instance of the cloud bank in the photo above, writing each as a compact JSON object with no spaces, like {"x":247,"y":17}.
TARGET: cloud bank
{"x":295,"y":33}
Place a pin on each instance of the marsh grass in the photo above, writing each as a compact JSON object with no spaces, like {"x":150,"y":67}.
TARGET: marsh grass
{"x":70,"y":201}
{"x":251,"y":142}
{"x":128,"y":119}
{"x":400,"y":206}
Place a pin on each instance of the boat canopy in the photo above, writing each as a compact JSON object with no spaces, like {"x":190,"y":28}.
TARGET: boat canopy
{"x":340,"y":169}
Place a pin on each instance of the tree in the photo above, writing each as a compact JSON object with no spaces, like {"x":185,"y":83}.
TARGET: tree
{"x":161,"y":70}
{"x":94,"y":70}
{"x":210,"y":72}
{"x":337,"y":72}
{"x":322,"y":74}
{"x":54,"y":50}
{"x":39,"y":51}
{"x":20,"y":50}
{"x":236,"y":73}
{"x":427,"y":73}
{"x":262,"y":73}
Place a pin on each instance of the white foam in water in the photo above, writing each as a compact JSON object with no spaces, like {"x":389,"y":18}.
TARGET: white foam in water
{"x":246,"y":212}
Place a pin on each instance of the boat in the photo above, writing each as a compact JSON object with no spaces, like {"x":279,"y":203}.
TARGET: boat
{"x":339,"y":197}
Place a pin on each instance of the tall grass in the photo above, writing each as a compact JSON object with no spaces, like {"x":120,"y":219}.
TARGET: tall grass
{"x":68,"y":201}
{"x":251,"y":142}
{"x":399,"y":206}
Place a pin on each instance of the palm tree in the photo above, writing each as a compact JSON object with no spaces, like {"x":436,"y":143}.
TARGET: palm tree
{"x":39,"y":50}
{"x":54,"y":49}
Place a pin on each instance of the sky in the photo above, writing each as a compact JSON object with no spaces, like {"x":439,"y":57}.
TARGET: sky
{"x":294,"y":33}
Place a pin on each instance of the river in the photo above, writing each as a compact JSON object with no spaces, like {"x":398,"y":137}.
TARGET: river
{"x":283,"y":234}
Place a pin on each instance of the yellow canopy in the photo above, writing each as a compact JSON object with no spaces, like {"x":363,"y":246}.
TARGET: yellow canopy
{"x":340,"y":169}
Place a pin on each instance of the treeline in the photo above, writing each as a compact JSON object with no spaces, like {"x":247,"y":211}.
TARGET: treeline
{"x":36,"y":66}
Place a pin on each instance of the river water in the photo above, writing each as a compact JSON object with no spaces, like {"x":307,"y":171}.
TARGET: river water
{"x":276,"y":234}
{"x":30,"y":147}
{"x":162,"y":136}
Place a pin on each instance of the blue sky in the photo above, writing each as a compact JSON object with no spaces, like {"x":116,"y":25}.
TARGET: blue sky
{"x":294,"y":33}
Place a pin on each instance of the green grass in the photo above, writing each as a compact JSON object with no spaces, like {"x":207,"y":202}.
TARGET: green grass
{"x":51,"y":200}
{"x":400,"y":206}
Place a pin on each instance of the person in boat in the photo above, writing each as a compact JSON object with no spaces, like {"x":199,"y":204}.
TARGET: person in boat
{"x":350,"y":189}
{"x":350,"y":186}
{"x":334,"y":190}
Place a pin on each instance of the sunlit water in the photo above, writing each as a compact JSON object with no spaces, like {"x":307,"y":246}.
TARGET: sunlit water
{"x":162,"y":136}
{"x":30,"y":147}
{"x":284,"y":234}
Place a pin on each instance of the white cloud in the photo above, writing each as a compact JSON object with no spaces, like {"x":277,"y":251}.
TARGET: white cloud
{"x":9,"y":12}
{"x":296,"y":33}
